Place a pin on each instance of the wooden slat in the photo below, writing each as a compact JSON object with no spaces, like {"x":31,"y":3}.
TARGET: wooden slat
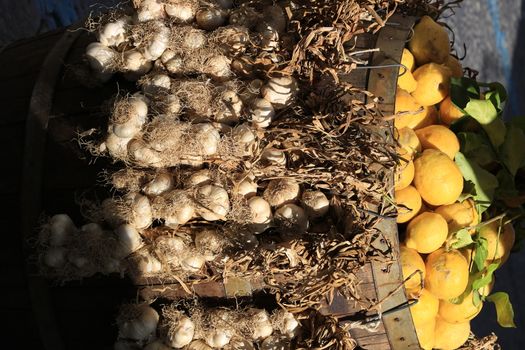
{"x":382,"y":83}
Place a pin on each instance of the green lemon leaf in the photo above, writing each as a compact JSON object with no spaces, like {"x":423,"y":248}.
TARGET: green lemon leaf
{"x":484,"y":182}
{"x":497,"y":94}
{"x":512,"y":150}
{"x":486,"y":278}
{"x":504,"y":310}
{"x":476,"y":298}
{"x":476,"y":146}
{"x":461,"y":238}
{"x":462,"y":90}
{"x":488,"y":116}
{"x":481,"y":252}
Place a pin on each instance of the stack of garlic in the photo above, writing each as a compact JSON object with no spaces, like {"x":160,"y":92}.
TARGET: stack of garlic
{"x":216,"y":328}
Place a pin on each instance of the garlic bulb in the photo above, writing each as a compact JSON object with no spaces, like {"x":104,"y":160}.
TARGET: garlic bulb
{"x":192,"y":262}
{"x":170,"y":249}
{"x":315,"y":203}
{"x":246,"y":188}
{"x":214,"y":202}
{"x":135,"y":64}
{"x":181,"y":11}
{"x":61,"y":227}
{"x":141,"y":208}
{"x":128,"y":117}
{"x":209,"y":242}
{"x":207,"y":138}
{"x":261,"y":214}
{"x":198,"y":345}
{"x":175,"y":65}
{"x":171,"y":106}
{"x":279,"y":91}
{"x":210,"y":18}
{"x":291,"y":218}
{"x":269,"y":38}
{"x":143,"y":264}
{"x":218,"y":67}
{"x":129,"y":239}
{"x":218,"y":337}
{"x":117,"y":147}
{"x":194,"y":39}
{"x":114,"y":33}
{"x":162,"y":183}
{"x":245,"y":139}
{"x":168,"y":244}
{"x":158,"y":44}
{"x":281,"y":191}
{"x":231,"y":39}
{"x":181,"y":334}
{"x":274,"y":156}
{"x":157,"y":345}
{"x":55,"y":257}
{"x":92,"y":230}
{"x":102,"y":59}
{"x":77,"y":260}
{"x":261,"y":113}
{"x":174,"y":207}
{"x":157,"y":84}
{"x":201,"y":177}
{"x":286,"y":322}
{"x":144,"y":155}
{"x":261,"y":325}
{"x":141,"y":326}
{"x":232,"y":108}
{"x":150,"y":10}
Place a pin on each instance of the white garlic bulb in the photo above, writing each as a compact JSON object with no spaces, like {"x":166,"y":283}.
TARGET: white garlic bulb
{"x":281,"y":191}
{"x":261,"y":113}
{"x":214,"y":202}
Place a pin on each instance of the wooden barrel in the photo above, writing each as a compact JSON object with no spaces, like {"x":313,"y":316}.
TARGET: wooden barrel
{"x":45,"y":169}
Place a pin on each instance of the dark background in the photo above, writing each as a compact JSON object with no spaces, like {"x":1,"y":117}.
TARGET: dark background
{"x":492,"y":30}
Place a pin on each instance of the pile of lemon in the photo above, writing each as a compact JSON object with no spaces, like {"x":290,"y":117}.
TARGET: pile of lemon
{"x":427,"y":192}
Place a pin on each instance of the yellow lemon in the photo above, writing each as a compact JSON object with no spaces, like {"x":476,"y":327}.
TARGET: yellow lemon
{"x":437,"y":178}
{"x":404,"y":175}
{"x":450,"y":336}
{"x":408,"y":141}
{"x":408,"y":203}
{"x":425,"y":334}
{"x":410,"y":114}
{"x":426,"y":232}
{"x":459,"y":215}
{"x":439,"y":137}
{"x":455,"y":66}
{"x":459,"y":313}
{"x":446,"y":273}
{"x":433,"y":84}
{"x":426,"y":308}
{"x":498,"y":247}
{"x":430,"y":42}
{"x":448,"y":112}
{"x":406,"y":81}
{"x":411,"y":261}
{"x":407,"y":60}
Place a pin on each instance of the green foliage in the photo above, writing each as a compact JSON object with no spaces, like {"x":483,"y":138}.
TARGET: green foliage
{"x":504,"y":310}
